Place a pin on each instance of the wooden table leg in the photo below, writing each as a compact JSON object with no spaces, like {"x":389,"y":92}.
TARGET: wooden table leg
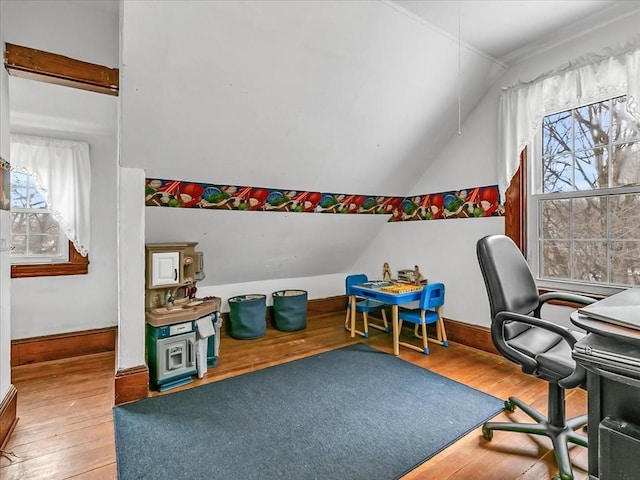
{"x":396,"y":336}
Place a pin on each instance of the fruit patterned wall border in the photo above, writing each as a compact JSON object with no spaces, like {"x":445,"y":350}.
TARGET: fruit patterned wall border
{"x":5,"y":184}
{"x":475,"y":202}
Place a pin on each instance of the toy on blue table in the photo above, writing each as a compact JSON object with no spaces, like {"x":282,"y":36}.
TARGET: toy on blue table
{"x":386,"y":272}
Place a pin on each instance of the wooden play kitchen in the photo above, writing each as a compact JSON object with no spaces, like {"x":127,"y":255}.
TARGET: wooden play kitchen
{"x":182,"y":330}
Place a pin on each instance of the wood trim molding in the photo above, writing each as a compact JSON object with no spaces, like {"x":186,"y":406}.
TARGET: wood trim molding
{"x":77,"y":265}
{"x":57,"y":69}
{"x":474,"y":336}
{"x":8,"y":415}
{"x":515,"y":206}
{"x":131,"y":384}
{"x":54,"y":347}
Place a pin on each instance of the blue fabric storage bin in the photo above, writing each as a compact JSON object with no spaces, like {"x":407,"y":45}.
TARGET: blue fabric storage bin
{"x":247,"y":316}
{"x":290,"y":310}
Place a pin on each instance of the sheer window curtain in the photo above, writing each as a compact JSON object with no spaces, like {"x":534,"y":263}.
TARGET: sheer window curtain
{"x":63,"y":170}
{"x":586,"y":80}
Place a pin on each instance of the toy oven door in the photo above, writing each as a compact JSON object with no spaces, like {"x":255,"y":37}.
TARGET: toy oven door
{"x":176,"y":356}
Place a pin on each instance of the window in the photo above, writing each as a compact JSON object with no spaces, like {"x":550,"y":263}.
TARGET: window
{"x":50,"y":205}
{"x":36,"y":236}
{"x":586,"y":197}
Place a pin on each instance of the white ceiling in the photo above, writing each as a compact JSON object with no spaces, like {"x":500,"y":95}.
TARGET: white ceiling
{"x":510,"y":30}
{"x":507,"y":31}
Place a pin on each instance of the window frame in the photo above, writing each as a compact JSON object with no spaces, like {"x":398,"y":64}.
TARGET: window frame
{"x":63,"y":250}
{"x":531,"y":162}
{"x":77,"y":265}
{"x":57,"y":69}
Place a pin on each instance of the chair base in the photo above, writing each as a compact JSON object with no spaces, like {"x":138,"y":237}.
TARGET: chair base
{"x":560,"y":436}
{"x":365,"y":317}
{"x":441,"y":336}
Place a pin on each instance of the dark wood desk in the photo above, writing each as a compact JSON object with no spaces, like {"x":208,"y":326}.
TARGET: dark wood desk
{"x":613,"y":385}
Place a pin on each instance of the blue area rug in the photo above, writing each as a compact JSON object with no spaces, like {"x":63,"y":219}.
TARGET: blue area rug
{"x":352,"y":413}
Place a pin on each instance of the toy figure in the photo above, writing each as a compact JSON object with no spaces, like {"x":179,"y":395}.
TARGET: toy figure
{"x":386,"y":272}
{"x":417,"y":276}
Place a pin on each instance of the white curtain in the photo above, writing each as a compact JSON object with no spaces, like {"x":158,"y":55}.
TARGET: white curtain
{"x":586,"y":80}
{"x":63,"y":170}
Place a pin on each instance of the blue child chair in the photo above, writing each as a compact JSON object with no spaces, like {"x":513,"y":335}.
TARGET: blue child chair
{"x":364,"y":306}
{"x":428,"y":311}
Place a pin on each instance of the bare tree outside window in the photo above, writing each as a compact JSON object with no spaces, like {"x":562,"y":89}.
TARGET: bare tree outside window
{"x":34,"y":231}
{"x":589,"y":207}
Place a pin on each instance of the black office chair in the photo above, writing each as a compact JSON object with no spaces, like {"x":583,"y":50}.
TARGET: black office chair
{"x":543,"y":349}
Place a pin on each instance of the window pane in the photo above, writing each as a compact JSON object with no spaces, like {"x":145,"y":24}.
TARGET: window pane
{"x":19,"y":244}
{"x":557,"y":174}
{"x":554,"y":259}
{"x":556,"y":134}
{"x":591,"y":125}
{"x":19,"y":222}
{"x":594,"y":239}
{"x":42,"y":223}
{"x":19,"y":197}
{"x":592,"y":169}
{"x":19,"y":179}
{"x":626,"y":164}
{"x":555,"y":216}
{"x":590,"y":218}
{"x":625,"y":216}
{"x":43,"y":245}
{"x":625,"y":263}
{"x":36,"y":200}
{"x":590,"y":261}
{"x":625,"y":127}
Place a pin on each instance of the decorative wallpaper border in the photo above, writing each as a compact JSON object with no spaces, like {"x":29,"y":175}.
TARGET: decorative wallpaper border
{"x":5,"y":185}
{"x":468,"y":203}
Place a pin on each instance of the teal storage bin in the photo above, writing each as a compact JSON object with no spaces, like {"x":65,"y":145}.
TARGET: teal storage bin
{"x":290,"y":310}
{"x":247,"y":316}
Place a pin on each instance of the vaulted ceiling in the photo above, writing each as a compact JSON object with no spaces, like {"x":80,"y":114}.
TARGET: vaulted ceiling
{"x":305,"y":95}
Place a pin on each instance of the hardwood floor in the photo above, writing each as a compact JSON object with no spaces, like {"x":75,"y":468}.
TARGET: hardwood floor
{"x":65,"y":408}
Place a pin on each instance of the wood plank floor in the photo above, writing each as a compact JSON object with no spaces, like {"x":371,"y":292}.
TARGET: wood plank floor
{"x":65,"y":427}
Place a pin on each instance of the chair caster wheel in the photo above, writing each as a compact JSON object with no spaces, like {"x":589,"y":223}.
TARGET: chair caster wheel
{"x":487,"y":433}
{"x":509,"y":406}
{"x":559,"y":476}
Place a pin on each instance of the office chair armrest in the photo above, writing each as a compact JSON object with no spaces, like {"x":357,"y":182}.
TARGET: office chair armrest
{"x":563,"y":297}
{"x":529,"y":365}
{"x":577,"y":378}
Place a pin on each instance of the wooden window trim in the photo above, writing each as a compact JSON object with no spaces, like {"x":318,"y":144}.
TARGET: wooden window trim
{"x":515,"y":206}
{"x":77,"y":265}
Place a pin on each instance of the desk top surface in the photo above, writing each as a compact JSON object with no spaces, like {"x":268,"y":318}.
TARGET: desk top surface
{"x":606,"y":329}
{"x":386,"y":293}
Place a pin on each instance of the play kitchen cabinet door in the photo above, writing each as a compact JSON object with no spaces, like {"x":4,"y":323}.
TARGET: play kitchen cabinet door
{"x":165,"y":269}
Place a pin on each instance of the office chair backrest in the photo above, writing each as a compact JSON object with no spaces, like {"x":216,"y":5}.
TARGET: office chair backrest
{"x":432,"y":296}
{"x":354,"y":280}
{"x":510,"y":287}
{"x":507,"y":278}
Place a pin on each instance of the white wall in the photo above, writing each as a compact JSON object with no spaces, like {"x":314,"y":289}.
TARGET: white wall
{"x":131,"y":258}
{"x":344,"y":97}
{"x":49,"y":305}
{"x":77,"y":302}
{"x":5,"y":279}
{"x":445,"y":249}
